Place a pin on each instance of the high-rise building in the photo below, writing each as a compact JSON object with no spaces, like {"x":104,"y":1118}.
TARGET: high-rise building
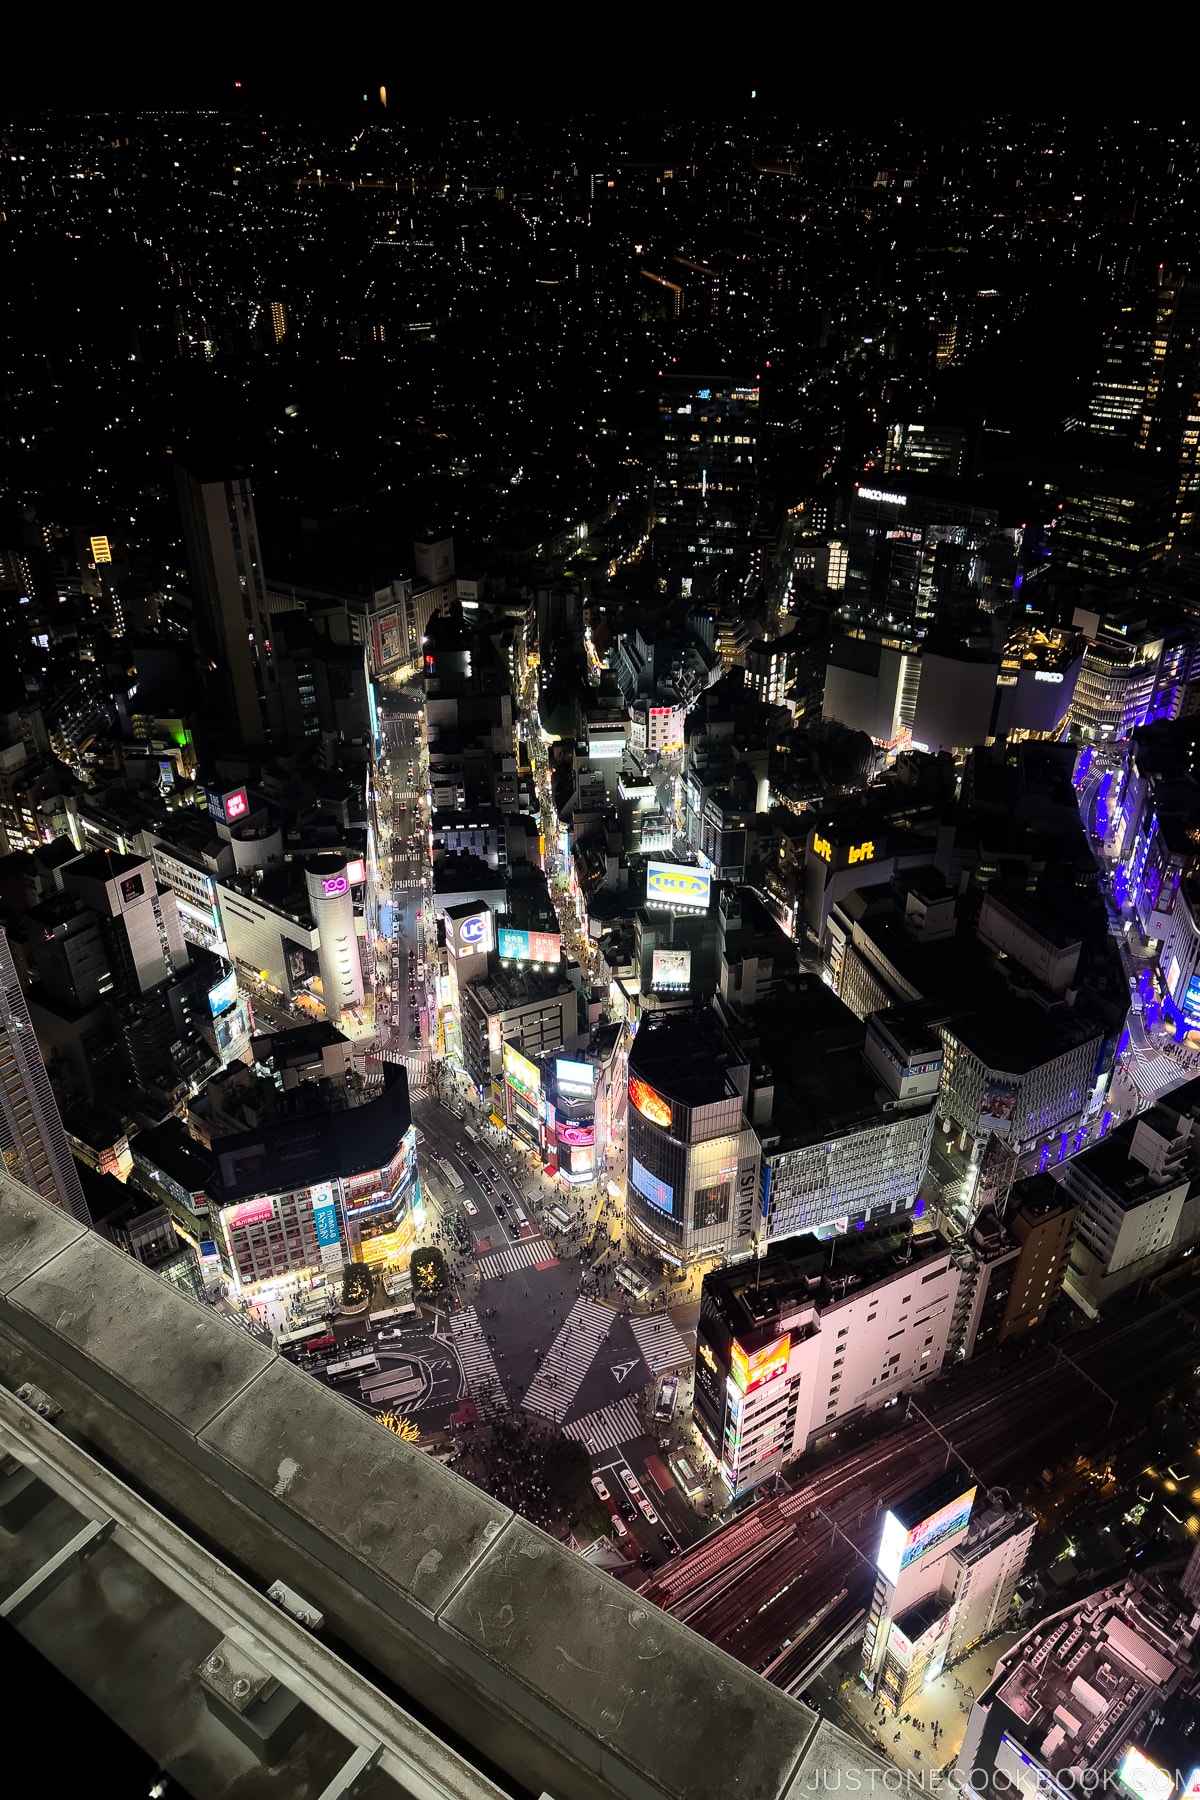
{"x":329,"y":880}
{"x":32,"y":1141}
{"x":710,"y":441}
{"x":230,"y":592}
{"x":791,"y":1344}
{"x":922,"y":548}
{"x":1170,"y":425}
{"x":693,"y":1155}
{"x":926,"y":450}
{"x":947,"y":1575}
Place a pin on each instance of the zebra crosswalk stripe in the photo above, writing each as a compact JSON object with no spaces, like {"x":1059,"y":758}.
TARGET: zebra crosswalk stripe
{"x":568,"y":1359}
{"x":660,"y":1343}
{"x":514,"y":1257}
{"x":479,"y":1370}
{"x":609,"y":1427}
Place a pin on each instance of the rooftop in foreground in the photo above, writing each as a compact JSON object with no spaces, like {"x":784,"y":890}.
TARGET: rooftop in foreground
{"x":515,"y":1664}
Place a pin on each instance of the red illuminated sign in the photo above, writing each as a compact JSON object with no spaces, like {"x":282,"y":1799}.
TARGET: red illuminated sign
{"x":649,"y":1103}
{"x":236,"y":805}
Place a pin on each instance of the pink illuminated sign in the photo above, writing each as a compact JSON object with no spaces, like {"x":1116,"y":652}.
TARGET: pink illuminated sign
{"x":236,"y":805}
{"x":336,"y":884}
{"x":252,"y":1213}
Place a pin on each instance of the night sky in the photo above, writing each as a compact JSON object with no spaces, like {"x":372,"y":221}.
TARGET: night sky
{"x":850,"y":68}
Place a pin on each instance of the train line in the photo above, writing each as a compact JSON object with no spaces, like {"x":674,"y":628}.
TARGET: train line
{"x":782,"y":1586}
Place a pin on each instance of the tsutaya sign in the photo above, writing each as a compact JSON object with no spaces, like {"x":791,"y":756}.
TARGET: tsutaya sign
{"x":858,"y":853}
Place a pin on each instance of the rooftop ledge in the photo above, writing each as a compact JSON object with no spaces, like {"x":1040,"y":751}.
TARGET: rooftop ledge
{"x":543,"y":1670}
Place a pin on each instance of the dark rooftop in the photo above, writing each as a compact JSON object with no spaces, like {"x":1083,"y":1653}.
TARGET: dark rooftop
{"x":298,"y":1151}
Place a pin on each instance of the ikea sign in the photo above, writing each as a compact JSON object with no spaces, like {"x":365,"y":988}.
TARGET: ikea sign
{"x":675,"y":885}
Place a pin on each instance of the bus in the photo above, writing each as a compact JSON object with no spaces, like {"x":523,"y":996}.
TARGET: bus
{"x":308,"y":1340}
{"x":354,"y":1367}
{"x":685,"y":1475}
{"x":518,"y":1213}
{"x":632,"y":1282}
{"x":664,"y":1406}
{"x":394,"y":1315}
{"x":558,"y":1218}
{"x":451,"y":1173}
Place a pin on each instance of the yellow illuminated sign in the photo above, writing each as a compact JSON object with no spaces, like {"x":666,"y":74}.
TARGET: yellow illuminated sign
{"x":858,"y":853}
{"x":101,"y":553}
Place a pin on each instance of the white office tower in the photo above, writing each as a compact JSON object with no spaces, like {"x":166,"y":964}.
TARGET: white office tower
{"x":32,"y":1140}
{"x":947,"y":1575}
{"x":331,"y":903}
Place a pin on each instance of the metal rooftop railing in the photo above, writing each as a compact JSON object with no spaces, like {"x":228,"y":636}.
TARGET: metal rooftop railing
{"x":167,"y":1471}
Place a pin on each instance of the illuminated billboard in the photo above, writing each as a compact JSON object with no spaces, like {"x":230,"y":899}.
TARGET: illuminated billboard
{"x":1191,"y":1001}
{"x":657,"y":1192}
{"x":325,"y":1217}
{"x":671,"y":969}
{"x":356,"y":872}
{"x":101,"y":550}
{"x":227,"y":807}
{"x":529,"y":946}
{"x":751,"y":1369}
{"x":472,"y":936}
{"x":575,"y":1134}
{"x":253,"y":1212}
{"x":649,"y":1103}
{"x":996,"y":1107}
{"x":675,"y":885}
{"x":222,"y":995}
{"x":1143,"y":1777}
{"x":573,"y":1075}
{"x":521,"y":1074}
{"x":900,"y":1546}
{"x":334,"y":885}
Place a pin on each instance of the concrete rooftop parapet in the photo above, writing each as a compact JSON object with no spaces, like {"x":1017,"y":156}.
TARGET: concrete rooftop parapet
{"x":554,"y":1675}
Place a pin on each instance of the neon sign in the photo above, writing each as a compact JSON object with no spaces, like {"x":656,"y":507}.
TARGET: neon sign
{"x":862,"y":852}
{"x":336,"y":884}
{"x":823,"y":848}
{"x":472,"y":930}
{"x":236,"y":804}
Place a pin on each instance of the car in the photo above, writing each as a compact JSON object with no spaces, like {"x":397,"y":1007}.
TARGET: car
{"x":648,"y":1511}
{"x":390,"y":1333}
{"x":499,"y":1210}
{"x":619,"y":1527}
{"x":470,"y":1207}
{"x":600,"y":1490}
{"x":646,"y":1560}
{"x":631,"y":1482}
{"x":666,"y":1538}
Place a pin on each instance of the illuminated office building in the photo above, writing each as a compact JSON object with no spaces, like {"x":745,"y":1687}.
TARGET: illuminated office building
{"x":920,"y":550}
{"x":693,"y":1157}
{"x":296,"y":1198}
{"x":948,"y":1570}
{"x":791,"y":1344}
{"x":706,"y":501}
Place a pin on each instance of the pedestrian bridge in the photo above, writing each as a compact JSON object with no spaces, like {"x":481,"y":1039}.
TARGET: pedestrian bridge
{"x":274,"y":1596}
